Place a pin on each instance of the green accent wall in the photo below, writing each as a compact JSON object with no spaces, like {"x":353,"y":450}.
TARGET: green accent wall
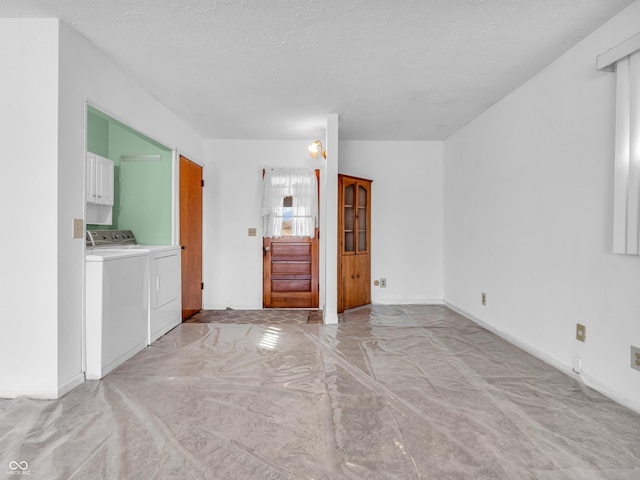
{"x":143,"y":193}
{"x":97,"y":133}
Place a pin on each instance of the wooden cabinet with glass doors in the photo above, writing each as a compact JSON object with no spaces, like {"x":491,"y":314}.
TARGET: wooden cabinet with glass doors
{"x":354,"y":249}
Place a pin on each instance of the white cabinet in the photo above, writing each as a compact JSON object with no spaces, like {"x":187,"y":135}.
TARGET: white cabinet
{"x":98,"y":187}
{"x":99,"y":180}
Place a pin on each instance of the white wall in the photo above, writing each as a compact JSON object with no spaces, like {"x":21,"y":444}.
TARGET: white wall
{"x":85,"y":73}
{"x":407,"y":193}
{"x":28,"y":195}
{"x":406,"y":216}
{"x":528,"y":209}
{"x":232,"y":261}
{"x":54,"y":70}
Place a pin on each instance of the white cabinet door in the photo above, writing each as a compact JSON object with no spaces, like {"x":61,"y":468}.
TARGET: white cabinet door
{"x":90,"y":178}
{"x":98,"y":180}
{"x":104,"y":180}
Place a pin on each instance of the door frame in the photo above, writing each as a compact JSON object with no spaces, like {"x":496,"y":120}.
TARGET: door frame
{"x":316,"y":252}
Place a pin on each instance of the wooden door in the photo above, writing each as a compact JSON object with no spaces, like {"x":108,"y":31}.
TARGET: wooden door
{"x":191,"y":236}
{"x":290,"y":271}
{"x":354,"y":244}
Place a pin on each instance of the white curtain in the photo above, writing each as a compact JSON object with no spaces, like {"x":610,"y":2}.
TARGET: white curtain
{"x":289,"y":203}
{"x":626,"y":203}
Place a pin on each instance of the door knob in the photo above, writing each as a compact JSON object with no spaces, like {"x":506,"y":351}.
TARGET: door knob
{"x":267,"y":248}
{"x":183,"y":247}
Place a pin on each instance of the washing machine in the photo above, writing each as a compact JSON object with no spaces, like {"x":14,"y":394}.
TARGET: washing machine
{"x":164,"y":277}
{"x":116,"y":308}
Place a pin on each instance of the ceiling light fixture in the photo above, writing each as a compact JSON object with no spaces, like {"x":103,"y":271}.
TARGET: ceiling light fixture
{"x":315,"y":148}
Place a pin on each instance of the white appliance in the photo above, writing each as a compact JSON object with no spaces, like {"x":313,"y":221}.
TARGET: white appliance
{"x":164,"y":277}
{"x":116,"y":310}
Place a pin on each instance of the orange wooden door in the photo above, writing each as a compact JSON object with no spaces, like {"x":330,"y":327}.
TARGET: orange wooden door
{"x":191,"y":236}
{"x":290,"y":272}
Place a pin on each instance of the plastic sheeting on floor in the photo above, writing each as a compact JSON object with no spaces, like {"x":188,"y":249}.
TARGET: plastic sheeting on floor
{"x":392,"y":393}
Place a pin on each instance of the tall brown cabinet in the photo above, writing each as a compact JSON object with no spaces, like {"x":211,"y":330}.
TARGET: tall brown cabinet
{"x":354,"y":249}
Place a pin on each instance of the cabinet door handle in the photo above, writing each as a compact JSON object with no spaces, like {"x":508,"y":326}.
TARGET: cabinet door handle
{"x":358,"y":276}
{"x":353,"y":276}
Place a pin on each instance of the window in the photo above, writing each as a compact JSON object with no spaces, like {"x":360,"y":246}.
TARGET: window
{"x":624,"y":59}
{"x":289,"y":203}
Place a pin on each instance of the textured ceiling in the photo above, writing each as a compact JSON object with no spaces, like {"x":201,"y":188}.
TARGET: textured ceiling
{"x":392,"y":69}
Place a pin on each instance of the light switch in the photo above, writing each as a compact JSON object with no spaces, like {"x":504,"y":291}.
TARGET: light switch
{"x":78,"y":228}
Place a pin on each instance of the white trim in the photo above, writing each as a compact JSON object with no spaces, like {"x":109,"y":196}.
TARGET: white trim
{"x":606,"y":61}
{"x":586,"y":379}
{"x":409,"y":301}
{"x":212,"y":306}
{"x":70,"y":385}
{"x":38,"y":393}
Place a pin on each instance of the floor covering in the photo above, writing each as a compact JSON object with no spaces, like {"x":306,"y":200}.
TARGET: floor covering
{"x":392,"y":392}
{"x":258,"y":317}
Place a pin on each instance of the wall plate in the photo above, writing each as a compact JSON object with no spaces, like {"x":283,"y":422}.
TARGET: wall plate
{"x":635,"y":358}
{"x":581,"y":332}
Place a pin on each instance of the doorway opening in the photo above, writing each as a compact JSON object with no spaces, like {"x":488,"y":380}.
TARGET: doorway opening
{"x":290,"y":238}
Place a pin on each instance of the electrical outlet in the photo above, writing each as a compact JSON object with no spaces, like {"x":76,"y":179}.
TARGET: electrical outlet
{"x":635,"y":358}
{"x":383,"y":283}
{"x":581,"y":332}
{"x":252,"y":232}
{"x":376,"y":283}
{"x":78,"y":228}
{"x":484,"y":298}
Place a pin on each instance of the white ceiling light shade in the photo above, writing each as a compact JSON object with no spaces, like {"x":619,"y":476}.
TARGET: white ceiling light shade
{"x":315,"y":148}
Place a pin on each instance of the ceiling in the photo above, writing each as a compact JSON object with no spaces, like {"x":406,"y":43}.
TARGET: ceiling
{"x":274,"y":69}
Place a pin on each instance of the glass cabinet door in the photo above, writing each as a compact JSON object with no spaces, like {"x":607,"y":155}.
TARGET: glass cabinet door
{"x":355,"y":217}
{"x":350,"y":228}
{"x":361,"y":219}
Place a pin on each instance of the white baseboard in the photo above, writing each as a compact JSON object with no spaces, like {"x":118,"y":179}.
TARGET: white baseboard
{"x":588,"y":380}
{"x":29,"y":391}
{"x":408,"y":301}
{"x":41,"y":392}
{"x":70,"y":385}
{"x":213,"y":306}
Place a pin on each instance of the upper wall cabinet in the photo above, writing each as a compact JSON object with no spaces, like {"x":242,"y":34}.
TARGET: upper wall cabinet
{"x":99,"y":180}
{"x":98,"y":186}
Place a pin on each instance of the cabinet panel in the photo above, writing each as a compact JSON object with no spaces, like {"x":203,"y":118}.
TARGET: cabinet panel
{"x":349,"y":284}
{"x":98,"y":180}
{"x":90,"y":178}
{"x":355,"y":281}
{"x":104,"y":181}
{"x":354,"y":224}
{"x":99,"y":196}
